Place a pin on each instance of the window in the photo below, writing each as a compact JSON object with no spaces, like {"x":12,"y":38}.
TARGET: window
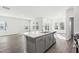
{"x":37,"y":26}
{"x":62,"y":26}
{"x":3,"y":26}
{"x":47,"y":27}
{"x":56,"y":26}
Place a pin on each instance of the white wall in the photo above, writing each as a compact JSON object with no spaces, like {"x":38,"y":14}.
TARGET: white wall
{"x":14,"y":25}
{"x":69,"y":13}
{"x":59,"y":20}
{"x":73,"y":12}
{"x":47,"y":20}
{"x":54,"y":14}
{"x":76,"y":22}
{"x":52,"y":20}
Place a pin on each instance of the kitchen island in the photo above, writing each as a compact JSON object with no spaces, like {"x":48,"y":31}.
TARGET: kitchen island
{"x":39,"y":42}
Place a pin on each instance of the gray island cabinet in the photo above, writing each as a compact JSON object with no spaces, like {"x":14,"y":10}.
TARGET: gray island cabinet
{"x":39,"y":43}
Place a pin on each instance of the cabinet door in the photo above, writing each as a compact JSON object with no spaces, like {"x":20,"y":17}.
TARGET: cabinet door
{"x":31,"y":45}
{"x":47,"y":42}
{"x":52,"y":38}
{"x":40,"y":45}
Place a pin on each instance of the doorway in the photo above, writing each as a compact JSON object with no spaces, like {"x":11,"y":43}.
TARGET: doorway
{"x":71,"y":27}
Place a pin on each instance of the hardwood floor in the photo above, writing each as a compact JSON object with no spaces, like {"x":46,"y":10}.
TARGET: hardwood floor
{"x":62,"y":46}
{"x":17,"y":44}
{"x":12,"y":44}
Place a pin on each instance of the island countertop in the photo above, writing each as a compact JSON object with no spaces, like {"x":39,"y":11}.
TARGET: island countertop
{"x":36,"y":34}
{"x":39,"y":42}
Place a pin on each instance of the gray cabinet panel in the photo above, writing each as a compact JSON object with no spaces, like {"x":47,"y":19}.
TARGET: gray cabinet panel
{"x":40,"y":44}
{"x":51,"y":39}
{"x":30,"y":45}
{"x":47,"y":42}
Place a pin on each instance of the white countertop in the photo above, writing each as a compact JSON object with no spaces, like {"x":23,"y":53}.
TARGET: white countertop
{"x":35,"y":34}
{"x":7,"y":33}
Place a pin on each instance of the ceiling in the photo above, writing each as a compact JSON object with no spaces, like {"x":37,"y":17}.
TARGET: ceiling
{"x":34,"y":11}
